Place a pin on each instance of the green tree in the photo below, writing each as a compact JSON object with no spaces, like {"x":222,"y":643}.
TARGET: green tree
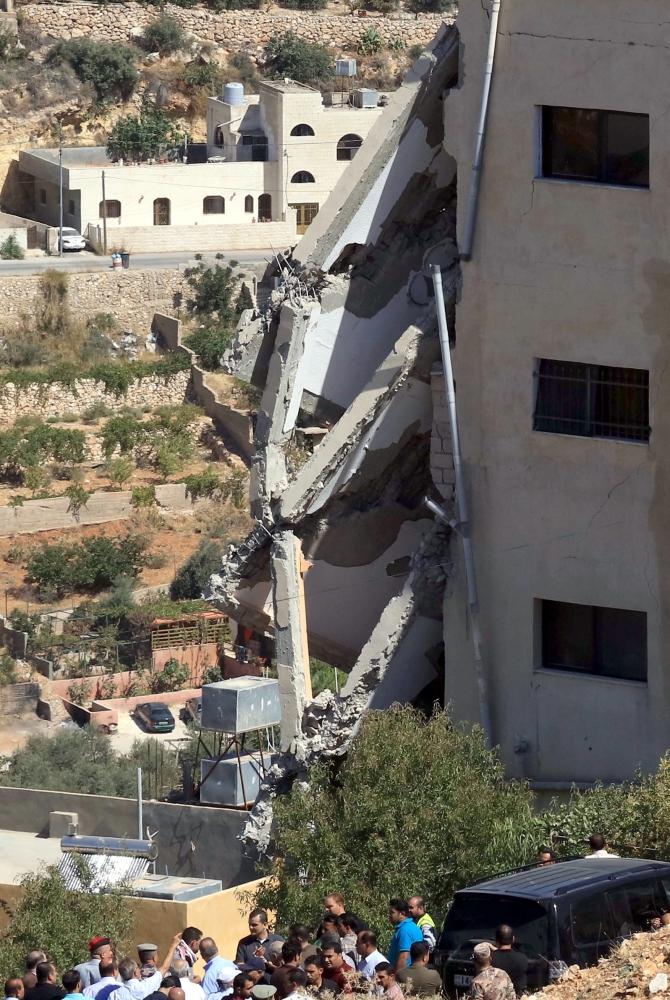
{"x":146,"y":137}
{"x":163,"y":35}
{"x":193,"y":576}
{"x":306,"y":62}
{"x":48,"y":911}
{"x":110,"y":67}
{"x":119,"y":470}
{"x":10,"y":249}
{"x":214,"y":288}
{"x":418,"y":805}
{"x":208,"y":343}
{"x":122,"y":432}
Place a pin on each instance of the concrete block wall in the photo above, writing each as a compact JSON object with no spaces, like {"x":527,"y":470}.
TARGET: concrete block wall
{"x":19,"y":699}
{"x":223,"y":238}
{"x":441,"y":451}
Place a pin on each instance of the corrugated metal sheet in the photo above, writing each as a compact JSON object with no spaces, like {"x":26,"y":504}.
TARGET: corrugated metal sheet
{"x":106,"y":870}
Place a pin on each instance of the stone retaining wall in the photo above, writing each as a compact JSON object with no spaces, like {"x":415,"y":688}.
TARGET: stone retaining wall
{"x":131,"y":296}
{"x":201,"y":239}
{"x":56,"y":398}
{"x":235,"y":29}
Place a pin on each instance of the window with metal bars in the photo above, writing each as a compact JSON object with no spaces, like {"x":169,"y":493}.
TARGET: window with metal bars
{"x":592,"y":400}
{"x":611,"y":642}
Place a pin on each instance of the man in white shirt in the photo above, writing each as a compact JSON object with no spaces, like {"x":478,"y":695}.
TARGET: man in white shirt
{"x":598,"y":846}
{"x":370,"y":957}
{"x":183,"y":971}
{"x":297,"y":981}
{"x":108,"y":983}
{"x":134,"y":987}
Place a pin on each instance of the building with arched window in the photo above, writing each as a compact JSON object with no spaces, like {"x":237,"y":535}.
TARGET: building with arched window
{"x":270,"y":158}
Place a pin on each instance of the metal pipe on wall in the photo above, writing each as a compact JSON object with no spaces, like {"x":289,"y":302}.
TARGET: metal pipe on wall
{"x":140,"y":819}
{"x":463,"y":524}
{"x":473,"y":198}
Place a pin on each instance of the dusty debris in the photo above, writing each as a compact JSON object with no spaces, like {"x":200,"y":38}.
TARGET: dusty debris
{"x":637,"y":968}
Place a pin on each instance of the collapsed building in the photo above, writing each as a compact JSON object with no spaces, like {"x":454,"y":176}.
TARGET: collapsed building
{"x":556,"y":343}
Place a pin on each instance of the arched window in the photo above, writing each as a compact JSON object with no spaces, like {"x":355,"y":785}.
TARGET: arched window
{"x":109,"y":209}
{"x":162,"y":212}
{"x":248,"y":204}
{"x":302,"y":177}
{"x":302,"y":130}
{"x":265,"y":208}
{"x":214,"y":205}
{"x":347,"y":146}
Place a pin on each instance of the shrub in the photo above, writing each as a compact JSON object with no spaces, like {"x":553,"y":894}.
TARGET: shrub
{"x":304,"y":4}
{"x":397,"y":45}
{"x":143,"y":496}
{"x":163,"y":35}
{"x":196,"y":74}
{"x":306,"y":62}
{"x":415,"y":51}
{"x":78,"y":498}
{"x":36,"y":479}
{"x":79,"y":694}
{"x":193,"y":576}
{"x":430,"y":6}
{"x":344,"y":828}
{"x":122,"y":432}
{"x":95,"y":413}
{"x":47,"y":910}
{"x":109,"y":67}
{"x":93,"y":564}
{"x":148,"y":136}
{"x":10,"y":249}
{"x":119,"y":470}
{"x":202,"y":484}
{"x":214,"y":287}
{"x":8,"y":670}
{"x":208,"y":343}
{"x":370,"y":42}
{"x":246,"y":70}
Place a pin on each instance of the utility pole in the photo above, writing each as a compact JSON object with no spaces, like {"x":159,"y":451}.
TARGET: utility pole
{"x":104,"y":215}
{"x":60,"y":188}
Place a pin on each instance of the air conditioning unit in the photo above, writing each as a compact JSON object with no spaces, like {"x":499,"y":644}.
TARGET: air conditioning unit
{"x":345,"y":67}
{"x":364,"y":98}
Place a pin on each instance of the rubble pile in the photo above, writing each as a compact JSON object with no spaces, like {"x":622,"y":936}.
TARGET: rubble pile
{"x":640,"y":967}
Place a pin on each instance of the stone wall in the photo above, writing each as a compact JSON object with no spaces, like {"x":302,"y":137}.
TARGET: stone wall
{"x":233,"y":29}
{"x":56,"y":398}
{"x":201,"y":239}
{"x":131,"y":296}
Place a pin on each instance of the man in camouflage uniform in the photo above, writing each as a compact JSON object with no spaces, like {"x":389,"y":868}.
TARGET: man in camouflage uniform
{"x":489,"y":983}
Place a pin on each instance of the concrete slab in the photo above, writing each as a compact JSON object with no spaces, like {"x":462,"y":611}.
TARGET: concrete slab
{"x":131,"y":730}
{"x":25,"y":852}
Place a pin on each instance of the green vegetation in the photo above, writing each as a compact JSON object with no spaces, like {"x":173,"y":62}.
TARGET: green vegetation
{"x":306,"y":62}
{"x":109,"y":67}
{"x":304,"y":4}
{"x":23,"y":449}
{"x":214,"y":288}
{"x":83,"y":760}
{"x":431,"y":6}
{"x":208,"y":343}
{"x":10,"y":249}
{"x":165,"y":441}
{"x":119,"y":471}
{"x":193,"y":576}
{"x":370,"y":42}
{"x":163,"y":35}
{"x":7,"y":670}
{"x":117,"y":377}
{"x":458,"y":821}
{"x":67,"y":919}
{"x":59,"y":567}
{"x":143,"y":138}
{"x":196,"y":74}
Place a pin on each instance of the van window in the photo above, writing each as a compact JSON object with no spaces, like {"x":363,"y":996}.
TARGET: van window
{"x":475,"y":918}
{"x":591,"y":921}
{"x":635,"y":906}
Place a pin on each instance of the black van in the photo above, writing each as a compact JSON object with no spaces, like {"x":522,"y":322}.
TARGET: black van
{"x":568,"y":913}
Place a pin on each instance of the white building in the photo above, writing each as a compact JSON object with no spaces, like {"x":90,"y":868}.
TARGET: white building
{"x":272,"y":158}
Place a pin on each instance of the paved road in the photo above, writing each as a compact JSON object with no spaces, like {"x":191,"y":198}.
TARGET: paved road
{"x":86,"y":261}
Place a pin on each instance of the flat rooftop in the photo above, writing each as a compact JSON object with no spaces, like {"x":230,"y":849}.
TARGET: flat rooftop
{"x":25,"y":852}
{"x":76,"y":156}
{"x":288,"y":86}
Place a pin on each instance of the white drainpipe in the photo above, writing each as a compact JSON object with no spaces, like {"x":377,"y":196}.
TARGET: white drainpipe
{"x":473,"y":198}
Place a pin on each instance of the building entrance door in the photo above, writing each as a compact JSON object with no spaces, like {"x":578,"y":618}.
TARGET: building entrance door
{"x":162,"y":212}
{"x":304,"y":215}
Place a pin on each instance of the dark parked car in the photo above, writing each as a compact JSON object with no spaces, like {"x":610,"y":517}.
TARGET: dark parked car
{"x":192,"y":711}
{"x":157,"y":717}
{"x":569,"y":913}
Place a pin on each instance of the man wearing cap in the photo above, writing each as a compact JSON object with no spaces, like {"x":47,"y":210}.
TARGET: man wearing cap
{"x":100,"y":949}
{"x":263,"y":992}
{"x":489,"y":983}
{"x":255,"y":968}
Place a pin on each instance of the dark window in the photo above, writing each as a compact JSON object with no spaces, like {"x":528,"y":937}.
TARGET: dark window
{"x":265,"y":207}
{"x":473,"y":918}
{"x":635,"y":906}
{"x":302,"y":130}
{"x":43,"y":196}
{"x":218,"y":136}
{"x":592,"y":400}
{"x":611,"y":642}
{"x":70,"y":207}
{"x":606,"y":147}
{"x":348,"y":146}
{"x":302,"y":177}
{"x":214,"y":205}
{"x":591,"y":921}
{"x":259,"y":147}
{"x":110,"y":209}
{"x":248,"y":203}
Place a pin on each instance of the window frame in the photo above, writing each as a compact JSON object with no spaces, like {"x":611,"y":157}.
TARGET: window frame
{"x":249,"y":204}
{"x":345,"y":153}
{"x":110,"y":212}
{"x":589,"y":393}
{"x":306,"y":177}
{"x":295,"y":134}
{"x":603,"y":633}
{"x":605,"y":175}
{"x":211,"y":198}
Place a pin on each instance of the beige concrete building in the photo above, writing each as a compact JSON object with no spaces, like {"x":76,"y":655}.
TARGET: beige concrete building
{"x":270,"y":162}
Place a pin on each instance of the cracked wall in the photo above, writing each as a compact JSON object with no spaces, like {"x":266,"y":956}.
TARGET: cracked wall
{"x":565,"y":271}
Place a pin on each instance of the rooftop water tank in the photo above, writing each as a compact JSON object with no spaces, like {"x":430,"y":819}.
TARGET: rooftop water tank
{"x":345,"y":67}
{"x":233,"y":93}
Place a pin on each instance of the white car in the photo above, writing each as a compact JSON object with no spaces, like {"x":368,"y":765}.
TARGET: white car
{"x":72,"y":240}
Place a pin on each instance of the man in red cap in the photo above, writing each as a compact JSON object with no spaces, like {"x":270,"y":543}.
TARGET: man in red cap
{"x":101,"y":951}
